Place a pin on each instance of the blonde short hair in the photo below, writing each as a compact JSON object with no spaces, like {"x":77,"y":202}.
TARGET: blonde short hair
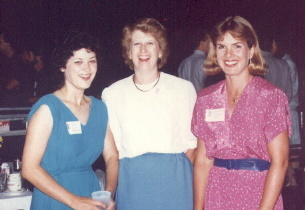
{"x":239,"y":28}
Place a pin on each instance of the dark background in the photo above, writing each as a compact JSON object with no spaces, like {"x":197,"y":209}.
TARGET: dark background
{"x":47,"y":20}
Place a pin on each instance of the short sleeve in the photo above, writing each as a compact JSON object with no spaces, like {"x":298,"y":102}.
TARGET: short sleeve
{"x":191,"y":99}
{"x":195,"y":119}
{"x":278,"y":115}
{"x":45,"y":100}
{"x":110,"y":99}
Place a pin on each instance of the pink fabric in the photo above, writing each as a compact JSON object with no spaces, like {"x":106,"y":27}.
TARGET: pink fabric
{"x":261,"y":114}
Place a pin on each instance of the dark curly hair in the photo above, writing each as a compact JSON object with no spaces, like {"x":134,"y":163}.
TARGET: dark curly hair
{"x":73,"y":41}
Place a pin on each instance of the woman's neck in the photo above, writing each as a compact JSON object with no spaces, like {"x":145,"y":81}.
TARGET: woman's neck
{"x":146,"y":77}
{"x":235,"y":86}
{"x":72,"y":97}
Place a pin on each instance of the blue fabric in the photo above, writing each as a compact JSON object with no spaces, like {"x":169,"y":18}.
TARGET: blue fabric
{"x":251,"y":164}
{"x":191,"y":69}
{"x":68,"y":158}
{"x":295,"y":138}
{"x":278,"y":73}
{"x":155,"y":181}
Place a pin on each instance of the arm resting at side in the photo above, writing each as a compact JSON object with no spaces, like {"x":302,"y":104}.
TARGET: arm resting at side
{"x":191,"y":155}
{"x":111,"y":158}
{"x":278,"y":150}
{"x":202,"y":166}
{"x":38,"y":133}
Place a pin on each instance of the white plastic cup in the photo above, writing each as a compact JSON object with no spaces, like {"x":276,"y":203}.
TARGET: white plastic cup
{"x":14,"y":182}
{"x":5,"y":168}
{"x":103,"y":196}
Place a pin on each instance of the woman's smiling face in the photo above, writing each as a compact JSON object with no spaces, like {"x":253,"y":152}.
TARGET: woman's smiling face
{"x":144,"y":51}
{"x":81,"y":69}
{"x":233,"y":55}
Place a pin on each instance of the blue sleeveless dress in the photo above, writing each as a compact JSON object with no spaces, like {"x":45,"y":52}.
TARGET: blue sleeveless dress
{"x":68,"y":157}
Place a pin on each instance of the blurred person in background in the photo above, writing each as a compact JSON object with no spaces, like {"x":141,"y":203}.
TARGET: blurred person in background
{"x":277,"y":71}
{"x":279,"y":49}
{"x":191,"y":68}
{"x":13,"y":75}
{"x":40,"y":82}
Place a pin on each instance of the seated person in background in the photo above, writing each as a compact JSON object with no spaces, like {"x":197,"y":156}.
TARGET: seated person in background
{"x":39,"y":78}
{"x":12,"y":72}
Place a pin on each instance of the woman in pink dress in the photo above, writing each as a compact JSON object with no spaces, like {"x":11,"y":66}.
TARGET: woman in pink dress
{"x":242,"y":124}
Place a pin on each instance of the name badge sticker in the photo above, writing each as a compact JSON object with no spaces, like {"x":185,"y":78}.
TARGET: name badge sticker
{"x":215,"y":115}
{"x":74,"y":127}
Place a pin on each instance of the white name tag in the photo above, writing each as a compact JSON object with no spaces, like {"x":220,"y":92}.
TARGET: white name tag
{"x":74,"y":127}
{"x":214,"y":115}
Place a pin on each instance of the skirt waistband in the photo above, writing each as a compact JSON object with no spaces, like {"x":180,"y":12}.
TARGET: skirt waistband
{"x":71,"y":170}
{"x":252,"y":164}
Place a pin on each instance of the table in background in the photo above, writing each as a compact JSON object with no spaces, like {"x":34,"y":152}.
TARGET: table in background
{"x":15,"y":202}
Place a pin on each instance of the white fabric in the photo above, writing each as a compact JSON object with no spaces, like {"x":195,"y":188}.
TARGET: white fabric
{"x":13,"y":202}
{"x":155,"y":121}
{"x":101,"y":178}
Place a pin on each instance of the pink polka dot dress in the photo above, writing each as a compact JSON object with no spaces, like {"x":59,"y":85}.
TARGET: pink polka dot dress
{"x":261,"y":113}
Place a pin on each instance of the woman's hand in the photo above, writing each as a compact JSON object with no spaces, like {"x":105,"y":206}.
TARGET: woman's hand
{"x":111,"y":205}
{"x":38,"y":133}
{"x":85,"y":203}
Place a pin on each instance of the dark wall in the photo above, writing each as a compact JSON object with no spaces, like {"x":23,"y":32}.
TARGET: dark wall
{"x":46,"y":20}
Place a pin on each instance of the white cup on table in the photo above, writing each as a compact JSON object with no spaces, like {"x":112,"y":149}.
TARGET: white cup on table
{"x":103,"y":196}
{"x":14,"y":183}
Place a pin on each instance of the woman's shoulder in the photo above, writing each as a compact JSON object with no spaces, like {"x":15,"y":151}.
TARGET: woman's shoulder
{"x":117,"y":88}
{"x":266,"y":89}
{"x":97,"y":101}
{"x":211,"y":89}
{"x":46,"y":99}
{"x":119,"y":85}
{"x":174,"y":80}
{"x":261,"y":84}
{"x":121,"y":82}
{"x":49,"y":100}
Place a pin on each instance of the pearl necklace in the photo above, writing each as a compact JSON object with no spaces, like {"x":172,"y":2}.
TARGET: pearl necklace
{"x":133,"y":79}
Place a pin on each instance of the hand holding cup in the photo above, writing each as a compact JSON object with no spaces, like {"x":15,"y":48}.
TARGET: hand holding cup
{"x":103,"y":196}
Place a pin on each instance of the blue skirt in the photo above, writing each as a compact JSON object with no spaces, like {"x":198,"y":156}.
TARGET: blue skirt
{"x":155,"y":181}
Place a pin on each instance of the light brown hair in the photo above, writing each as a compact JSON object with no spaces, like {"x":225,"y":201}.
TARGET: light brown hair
{"x":148,"y":26}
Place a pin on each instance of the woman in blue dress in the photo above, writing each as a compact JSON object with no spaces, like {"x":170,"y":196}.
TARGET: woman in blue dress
{"x":150,"y":117}
{"x":67,"y":131}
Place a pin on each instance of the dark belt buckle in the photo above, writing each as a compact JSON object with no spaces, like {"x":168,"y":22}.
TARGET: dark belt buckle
{"x":230,"y":164}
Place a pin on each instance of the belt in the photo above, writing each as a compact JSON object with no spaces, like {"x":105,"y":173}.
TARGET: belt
{"x":71,"y":170}
{"x":251,"y":164}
